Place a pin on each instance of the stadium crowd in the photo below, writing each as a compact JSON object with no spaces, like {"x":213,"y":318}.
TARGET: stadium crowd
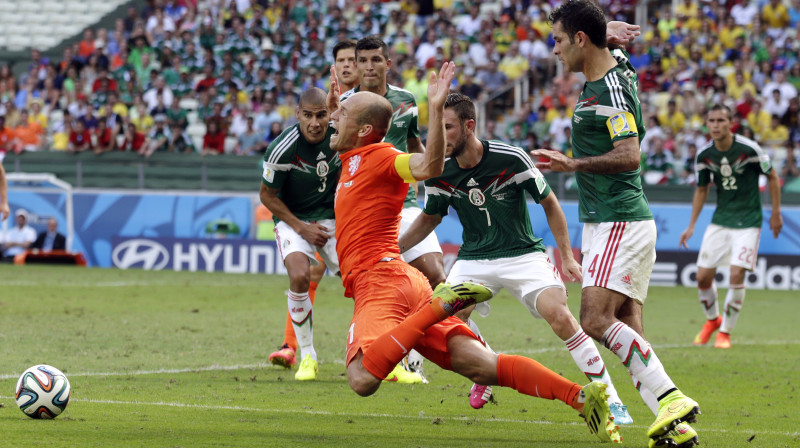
{"x":189,"y":76}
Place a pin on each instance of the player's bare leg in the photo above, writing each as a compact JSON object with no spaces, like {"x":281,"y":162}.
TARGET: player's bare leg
{"x":600,"y":308}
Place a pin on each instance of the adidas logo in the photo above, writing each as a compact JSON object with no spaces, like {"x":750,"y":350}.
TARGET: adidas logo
{"x":626,"y":279}
{"x":321,"y":156}
{"x":472,"y":183}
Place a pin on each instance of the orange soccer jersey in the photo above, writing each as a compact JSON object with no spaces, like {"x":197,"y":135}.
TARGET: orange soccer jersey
{"x":369,"y":198}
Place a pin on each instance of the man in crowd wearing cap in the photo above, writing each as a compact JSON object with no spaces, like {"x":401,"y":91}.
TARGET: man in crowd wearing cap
{"x":158,"y":138}
{"x":17,"y":239}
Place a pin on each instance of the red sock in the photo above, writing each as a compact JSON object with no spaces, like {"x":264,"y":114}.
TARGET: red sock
{"x":389,"y":348}
{"x":288,"y":333}
{"x":531,"y":378}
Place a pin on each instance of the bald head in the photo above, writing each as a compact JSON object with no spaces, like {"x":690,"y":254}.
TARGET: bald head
{"x":374,"y":110}
{"x":313,"y":96}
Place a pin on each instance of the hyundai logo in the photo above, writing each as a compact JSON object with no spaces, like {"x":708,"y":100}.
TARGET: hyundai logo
{"x":140,"y":253}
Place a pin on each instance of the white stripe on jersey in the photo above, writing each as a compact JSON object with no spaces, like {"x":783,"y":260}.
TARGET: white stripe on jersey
{"x":434,"y":191}
{"x":399,"y":89}
{"x":504,"y":148}
{"x":288,"y":141}
{"x":615,"y":89}
{"x":603,"y":111}
{"x":751,"y":143}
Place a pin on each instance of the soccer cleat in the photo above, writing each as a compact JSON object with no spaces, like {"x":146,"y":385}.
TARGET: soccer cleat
{"x":459,"y":296}
{"x":479,"y":395}
{"x":597,"y":414}
{"x":415,"y":368}
{"x":400,"y":375}
{"x":308,"y":369}
{"x":708,"y":329}
{"x":682,"y":436}
{"x":723,"y":340}
{"x":620,"y":413}
{"x":284,"y":357}
{"x":673,"y":409}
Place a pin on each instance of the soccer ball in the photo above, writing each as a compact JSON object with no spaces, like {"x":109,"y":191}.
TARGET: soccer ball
{"x":42,"y":392}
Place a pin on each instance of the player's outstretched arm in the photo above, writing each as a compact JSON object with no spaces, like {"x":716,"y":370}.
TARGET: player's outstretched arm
{"x":315,"y":234}
{"x":558,"y":225}
{"x":775,"y":220}
{"x":420,"y":228}
{"x":624,"y":157}
{"x":431,"y":162}
{"x":4,"y":210}
{"x":699,"y":199}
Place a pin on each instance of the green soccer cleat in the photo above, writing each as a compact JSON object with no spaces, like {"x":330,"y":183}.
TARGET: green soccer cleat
{"x":459,"y":296}
{"x":308,"y":369}
{"x":682,"y":436}
{"x":597,"y":414}
{"x":401,"y":375}
{"x":673,"y":409}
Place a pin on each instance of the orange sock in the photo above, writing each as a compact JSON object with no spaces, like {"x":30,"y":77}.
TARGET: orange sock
{"x":312,"y":291}
{"x":531,"y":378}
{"x":288,"y":333}
{"x":389,"y":348}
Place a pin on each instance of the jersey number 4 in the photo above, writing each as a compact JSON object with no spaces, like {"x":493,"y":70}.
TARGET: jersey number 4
{"x":592,"y":266}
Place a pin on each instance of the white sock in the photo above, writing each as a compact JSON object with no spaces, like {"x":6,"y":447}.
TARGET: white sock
{"x":588,"y":359}
{"x":649,"y":399}
{"x":708,"y":299}
{"x":637,"y":355}
{"x":733,"y":306}
{"x":474,"y":327}
{"x":303,"y":322}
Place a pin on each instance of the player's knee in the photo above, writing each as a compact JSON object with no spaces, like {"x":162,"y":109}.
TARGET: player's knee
{"x":593,"y":326}
{"x":299,"y":281}
{"x":363,"y":389}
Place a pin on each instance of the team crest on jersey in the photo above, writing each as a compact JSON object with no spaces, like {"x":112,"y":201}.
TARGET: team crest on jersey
{"x":476,"y":197}
{"x":322,"y":168}
{"x":355,"y":161}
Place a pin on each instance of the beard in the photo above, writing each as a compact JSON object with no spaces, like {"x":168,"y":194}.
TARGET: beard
{"x":460,"y":144}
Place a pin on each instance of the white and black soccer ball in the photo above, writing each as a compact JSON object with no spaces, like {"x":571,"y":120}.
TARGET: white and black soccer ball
{"x":42,"y":392}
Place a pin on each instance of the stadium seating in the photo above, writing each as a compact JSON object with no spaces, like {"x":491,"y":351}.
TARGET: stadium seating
{"x":29,"y":23}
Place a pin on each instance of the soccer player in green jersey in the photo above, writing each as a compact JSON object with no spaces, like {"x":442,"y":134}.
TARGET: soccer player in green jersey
{"x":619,"y":233}
{"x":485,"y":181}
{"x":298,"y":187}
{"x":735,"y":164}
{"x":372,"y":63}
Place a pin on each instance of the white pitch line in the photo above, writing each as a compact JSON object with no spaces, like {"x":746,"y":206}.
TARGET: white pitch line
{"x":419,"y":416}
{"x":340,"y":361}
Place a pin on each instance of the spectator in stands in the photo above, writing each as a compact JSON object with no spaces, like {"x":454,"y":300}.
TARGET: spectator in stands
{"x":179,"y":140}
{"x":250,"y":142}
{"x":556,"y":132}
{"x":775,"y":137}
{"x":673,"y":117}
{"x":659,"y":166}
{"x":744,"y":13}
{"x":274,"y":132}
{"x":134,"y":139}
{"x":86,"y":46}
{"x":28,"y":134}
{"x":214,"y":140}
{"x":470,"y":25}
{"x":105,"y":140}
{"x":514,"y":65}
{"x":158,"y":137}
{"x":50,"y":239}
{"x":140,"y":116}
{"x":687,"y":175}
{"x":17,"y":239}
{"x":776,"y":104}
{"x":758,"y":119}
{"x":89,"y":119}
{"x":267,"y":116}
{"x":79,"y":139}
{"x":787,"y":89}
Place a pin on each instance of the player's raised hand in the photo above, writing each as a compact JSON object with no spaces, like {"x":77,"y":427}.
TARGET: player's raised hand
{"x":685,"y":238}
{"x":556,"y":161}
{"x":620,"y":33}
{"x":776,"y":224}
{"x":333,"y":92}
{"x":439,"y":86}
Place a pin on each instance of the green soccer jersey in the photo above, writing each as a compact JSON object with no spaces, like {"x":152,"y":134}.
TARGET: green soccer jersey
{"x":305,"y":174}
{"x":490,"y":201}
{"x":404,"y":124}
{"x":608,"y":110}
{"x":735,"y":173}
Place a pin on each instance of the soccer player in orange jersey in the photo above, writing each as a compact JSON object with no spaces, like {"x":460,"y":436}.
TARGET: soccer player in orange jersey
{"x":395,"y":309}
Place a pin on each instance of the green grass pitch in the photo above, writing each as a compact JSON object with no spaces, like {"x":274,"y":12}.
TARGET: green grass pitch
{"x":178,"y":359}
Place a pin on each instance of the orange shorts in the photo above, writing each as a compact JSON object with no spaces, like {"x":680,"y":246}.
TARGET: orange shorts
{"x":384,"y":296}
